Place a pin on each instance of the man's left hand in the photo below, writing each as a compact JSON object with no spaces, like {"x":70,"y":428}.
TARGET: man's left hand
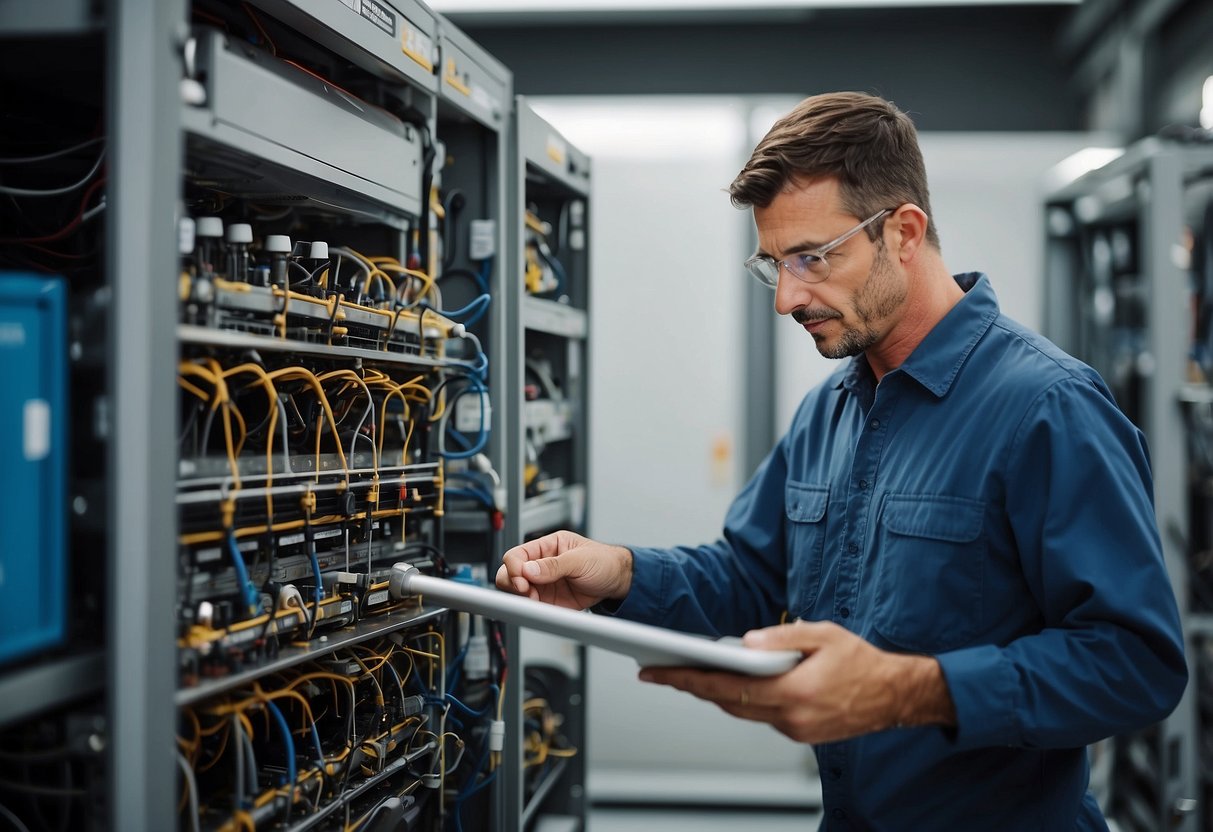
{"x":845,"y":687}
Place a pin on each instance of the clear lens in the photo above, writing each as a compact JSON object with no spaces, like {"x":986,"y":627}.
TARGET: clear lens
{"x":808,"y":267}
{"x":811,"y":268}
{"x":764,"y":270}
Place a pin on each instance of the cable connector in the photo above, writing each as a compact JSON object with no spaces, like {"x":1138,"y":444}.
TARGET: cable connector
{"x":496,"y":735}
{"x":227,"y":512}
{"x":412,"y":705}
{"x":308,"y":501}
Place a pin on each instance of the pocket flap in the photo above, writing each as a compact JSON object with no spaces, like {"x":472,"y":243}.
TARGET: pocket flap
{"x":955,"y":519}
{"x":805,"y":503}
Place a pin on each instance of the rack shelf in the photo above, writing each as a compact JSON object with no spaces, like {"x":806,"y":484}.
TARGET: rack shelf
{"x":28,"y":691}
{"x":554,"y":318}
{"x":322,"y":646}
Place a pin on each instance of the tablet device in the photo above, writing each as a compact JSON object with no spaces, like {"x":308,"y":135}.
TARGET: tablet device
{"x":649,"y":646}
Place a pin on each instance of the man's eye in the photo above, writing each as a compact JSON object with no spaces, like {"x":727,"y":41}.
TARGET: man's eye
{"x":806,"y":262}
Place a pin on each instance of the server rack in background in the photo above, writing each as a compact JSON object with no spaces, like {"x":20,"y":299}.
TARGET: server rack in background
{"x":293,"y":254}
{"x":1129,"y":289}
{"x":547,"y":384}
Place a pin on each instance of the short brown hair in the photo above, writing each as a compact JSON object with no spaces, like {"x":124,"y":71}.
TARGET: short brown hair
{"x":864,"y":141}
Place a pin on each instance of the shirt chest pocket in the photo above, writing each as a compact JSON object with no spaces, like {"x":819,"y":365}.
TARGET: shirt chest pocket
{"x":930,"y":572}
{"x":805,"y":507}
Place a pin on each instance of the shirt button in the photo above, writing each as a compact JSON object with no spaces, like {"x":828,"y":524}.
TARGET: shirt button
{"x":839,"y":814}
{"x":845,"y":612}
{"x":875,"y":424}
{"x":863,"y":483}
{"x":852,"y":548}
{"x":836,"y":773}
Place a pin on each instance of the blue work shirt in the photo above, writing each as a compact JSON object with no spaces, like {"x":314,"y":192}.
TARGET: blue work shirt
{"x":987,"y":504}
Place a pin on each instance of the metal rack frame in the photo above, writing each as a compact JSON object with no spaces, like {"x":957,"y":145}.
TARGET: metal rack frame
{"x":1147,"y":185}
{"x":136,"y":670}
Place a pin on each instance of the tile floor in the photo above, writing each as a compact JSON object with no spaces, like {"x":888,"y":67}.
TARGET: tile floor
{"x":663,"y":819}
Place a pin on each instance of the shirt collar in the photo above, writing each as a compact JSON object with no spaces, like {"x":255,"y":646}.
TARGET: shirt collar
{"x":935,"y":362}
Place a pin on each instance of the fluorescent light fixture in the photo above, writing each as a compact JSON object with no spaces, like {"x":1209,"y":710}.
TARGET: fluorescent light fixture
{"x":566,"y":7}
{"x":1079,"y":163}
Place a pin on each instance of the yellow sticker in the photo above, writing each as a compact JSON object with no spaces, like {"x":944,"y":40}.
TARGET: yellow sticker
{"x":556,"y":149}
{"x":417,"y":45}
{"x":452,"y":78}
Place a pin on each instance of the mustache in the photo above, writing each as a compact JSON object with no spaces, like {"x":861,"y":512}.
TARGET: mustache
{"x":808,"y":316}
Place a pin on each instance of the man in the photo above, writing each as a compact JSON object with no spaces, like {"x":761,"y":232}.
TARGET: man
{"x":960,"y":513}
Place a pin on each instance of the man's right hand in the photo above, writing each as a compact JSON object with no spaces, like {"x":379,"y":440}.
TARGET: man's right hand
{"x":567,"y":570}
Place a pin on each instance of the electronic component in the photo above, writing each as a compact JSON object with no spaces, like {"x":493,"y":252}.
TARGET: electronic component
{"x":33,"y":453}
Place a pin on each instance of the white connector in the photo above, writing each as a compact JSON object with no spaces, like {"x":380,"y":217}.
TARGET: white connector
{"x":496,"y":735}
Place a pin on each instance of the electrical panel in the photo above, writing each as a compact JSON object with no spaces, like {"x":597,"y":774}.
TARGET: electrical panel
{"x":317,"y":328}
{"x":1129,"y":290}
{"x":33,"y":454}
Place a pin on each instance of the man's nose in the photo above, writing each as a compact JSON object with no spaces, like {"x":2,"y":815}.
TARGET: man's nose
{"x":791,"y":294}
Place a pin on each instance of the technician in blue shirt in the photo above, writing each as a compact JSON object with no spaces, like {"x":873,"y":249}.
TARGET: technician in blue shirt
{"x":960,"y":513}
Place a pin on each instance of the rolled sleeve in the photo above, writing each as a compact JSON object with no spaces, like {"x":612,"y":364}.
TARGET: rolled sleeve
{"x":985,"y":692}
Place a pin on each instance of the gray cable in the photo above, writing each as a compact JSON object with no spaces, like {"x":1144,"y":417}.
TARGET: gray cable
{"x":239,"y":797}
{"x":250,"y":769}
{"x":66,"y":189}
{"x":286,"y":449}
{"x":192,"y":785}
{"x":21,"y":160}
{"x":13,"y":819}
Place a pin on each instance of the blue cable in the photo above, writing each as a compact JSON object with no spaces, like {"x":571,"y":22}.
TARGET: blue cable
{"x":475,"y":714}
{"x":319,"y":580}
{"x":478,"y":494}
{"x":249,"y":591}
{"x":474,"y":484}
{"x":459,"y":438}
{"x":290,"y":744}
{"x":480,"y":366}
{"x":476,"y":304}
{"x":557,"y":269}
{"x":452,"y":673}
{"x":482,"y":438}
{"x":470,"y":791}
{"x":316,"y":741}
{"x":476,"y":316}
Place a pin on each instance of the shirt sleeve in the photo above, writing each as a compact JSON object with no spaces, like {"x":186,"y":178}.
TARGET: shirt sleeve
{"x":1110,"y":657}
{"x":727,"y":587}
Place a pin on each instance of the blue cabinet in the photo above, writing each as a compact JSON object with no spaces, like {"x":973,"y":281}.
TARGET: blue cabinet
{"x":33,"y":463}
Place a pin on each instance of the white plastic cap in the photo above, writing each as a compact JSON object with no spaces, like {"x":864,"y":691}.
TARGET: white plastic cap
{"x":318,"y":251}
{"x":496,"y":735}
{"x":185,"y":235}
{"x":239,"y":232}
{"x":278,"y":244}
{"x":209,"y":227}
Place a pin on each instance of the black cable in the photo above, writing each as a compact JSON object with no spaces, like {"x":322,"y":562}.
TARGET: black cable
{"x":427,"y":185}
{"x":297,"y":266}
{"x":452,"y":206}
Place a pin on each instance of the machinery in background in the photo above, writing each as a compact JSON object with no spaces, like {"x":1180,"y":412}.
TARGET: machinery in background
{"x":1128,"y":289}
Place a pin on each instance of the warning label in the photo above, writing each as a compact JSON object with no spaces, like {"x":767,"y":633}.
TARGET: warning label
{"x":380,"y":15}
